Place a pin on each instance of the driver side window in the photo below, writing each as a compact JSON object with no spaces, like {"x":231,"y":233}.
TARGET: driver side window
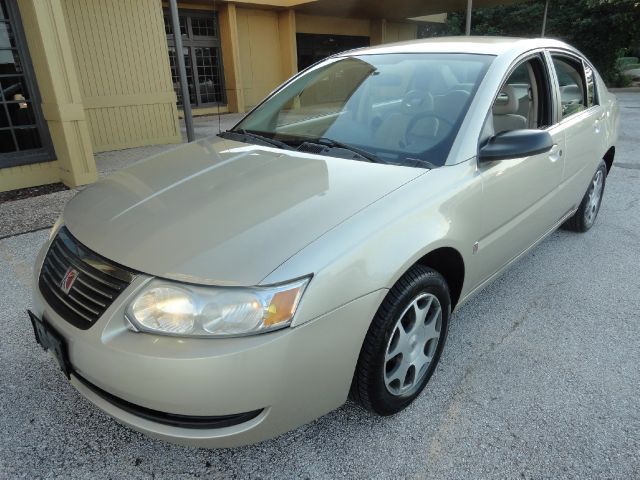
{"x":523,"y":99}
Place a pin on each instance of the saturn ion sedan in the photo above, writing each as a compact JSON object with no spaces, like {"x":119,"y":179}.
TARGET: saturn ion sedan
{"x":231,"y":289}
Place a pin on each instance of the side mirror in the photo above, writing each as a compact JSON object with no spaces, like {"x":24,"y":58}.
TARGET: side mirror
{"x":516,"y":144}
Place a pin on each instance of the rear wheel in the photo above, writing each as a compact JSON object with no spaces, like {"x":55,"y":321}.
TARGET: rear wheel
{"x":404,"y":342}
{"x":585,"y":216}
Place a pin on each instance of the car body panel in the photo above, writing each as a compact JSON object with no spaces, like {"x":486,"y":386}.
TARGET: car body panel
{"x":289,"y":373}
{"x":518,"y":204}
{"x":374,"y":248}
{"x":222,"y":212}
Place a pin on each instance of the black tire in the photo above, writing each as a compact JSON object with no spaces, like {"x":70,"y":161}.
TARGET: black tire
{"x":368,"y":387}
{"x":587,"y":212}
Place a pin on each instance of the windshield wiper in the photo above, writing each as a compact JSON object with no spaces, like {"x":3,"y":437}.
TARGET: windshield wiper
{"x":244,"y":133}
{"x":329,"y":142}
{"x":425,"y":163}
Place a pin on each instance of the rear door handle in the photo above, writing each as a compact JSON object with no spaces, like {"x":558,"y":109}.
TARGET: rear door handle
{"x":596,"y":126}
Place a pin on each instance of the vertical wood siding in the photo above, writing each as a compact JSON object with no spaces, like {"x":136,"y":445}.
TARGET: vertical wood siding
{"x":120,"y":49}
{"x":260,"y":59}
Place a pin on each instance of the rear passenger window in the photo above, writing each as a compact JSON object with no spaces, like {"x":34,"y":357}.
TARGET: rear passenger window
{"x":573,"y":91}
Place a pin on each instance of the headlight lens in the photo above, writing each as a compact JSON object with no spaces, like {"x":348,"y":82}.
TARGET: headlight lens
{"x":188,"y":310}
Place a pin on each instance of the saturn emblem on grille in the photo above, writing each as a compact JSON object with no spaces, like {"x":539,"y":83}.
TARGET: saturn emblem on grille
{"x":69,"y":279}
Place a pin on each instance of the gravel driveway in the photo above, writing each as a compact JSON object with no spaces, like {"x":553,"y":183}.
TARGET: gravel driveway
{"x":540,"y":379}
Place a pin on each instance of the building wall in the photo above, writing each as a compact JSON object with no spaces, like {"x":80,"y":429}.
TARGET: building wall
{"x":399,"y":32}
{"x":260,"y":59}
{"x":332,"y":25}
{"x":103,"y":71}
{"x":120,"y":48}
{"x":55,"y":74}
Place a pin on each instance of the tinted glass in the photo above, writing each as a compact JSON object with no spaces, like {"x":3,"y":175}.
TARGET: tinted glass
{"x":27,"y":138}
{"x":573,"y":95}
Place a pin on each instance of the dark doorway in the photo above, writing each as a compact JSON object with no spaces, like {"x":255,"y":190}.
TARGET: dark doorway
{"x":314,"y":47}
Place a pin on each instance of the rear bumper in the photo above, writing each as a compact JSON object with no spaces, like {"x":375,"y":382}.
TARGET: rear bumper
{"x":271,"y":383}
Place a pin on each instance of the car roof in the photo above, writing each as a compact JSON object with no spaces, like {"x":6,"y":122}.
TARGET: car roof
{"x":463,"y":44}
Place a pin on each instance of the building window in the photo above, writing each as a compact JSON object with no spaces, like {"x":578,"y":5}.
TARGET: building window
{"x":202,"y":57}
{"x":23,"y":134}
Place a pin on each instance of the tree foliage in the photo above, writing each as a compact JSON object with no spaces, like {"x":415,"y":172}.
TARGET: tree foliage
{"x":603,"y":30}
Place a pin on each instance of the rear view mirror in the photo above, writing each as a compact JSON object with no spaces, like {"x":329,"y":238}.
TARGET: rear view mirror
{"x":516,"y":144}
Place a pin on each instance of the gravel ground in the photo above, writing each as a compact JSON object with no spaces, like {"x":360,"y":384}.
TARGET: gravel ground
{"x":540,"y":379}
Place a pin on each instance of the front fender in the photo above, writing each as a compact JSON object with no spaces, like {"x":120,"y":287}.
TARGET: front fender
{"x":375,"y":247}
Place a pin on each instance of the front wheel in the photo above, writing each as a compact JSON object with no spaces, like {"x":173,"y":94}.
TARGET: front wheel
{"x":585,"y":216}
{"x":404,"y":342}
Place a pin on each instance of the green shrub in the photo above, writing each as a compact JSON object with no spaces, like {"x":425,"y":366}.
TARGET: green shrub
{"x":622,"y":62}
{"x":620,"y":81}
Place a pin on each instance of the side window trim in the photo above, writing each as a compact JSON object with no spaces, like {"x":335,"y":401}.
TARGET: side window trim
{"x":550,"y":52}
{"x":596,"y":93}
{"x":555,"y":88}
{"x":540,"y":54}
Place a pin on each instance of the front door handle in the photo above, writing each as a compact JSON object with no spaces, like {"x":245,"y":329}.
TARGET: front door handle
{"x":555,"y":153}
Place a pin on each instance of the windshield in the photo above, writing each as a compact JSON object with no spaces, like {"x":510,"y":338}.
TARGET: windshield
{"x":404,"y":109}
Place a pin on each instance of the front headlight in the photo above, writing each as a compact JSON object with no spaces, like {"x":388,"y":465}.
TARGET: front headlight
{"x":173,"y":308}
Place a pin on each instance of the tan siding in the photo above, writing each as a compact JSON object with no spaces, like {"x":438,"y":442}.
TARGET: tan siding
{"x":121,"y":51}
{"x":29,"y":175}
{"x":398,"y":32}
{"x":332,"y":25}
{"x":261,"y":62}
{"x":48,"y":42}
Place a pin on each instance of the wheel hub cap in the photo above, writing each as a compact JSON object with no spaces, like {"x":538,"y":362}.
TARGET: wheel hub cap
{"x":412,"y":345}
{"x":593,"y":199}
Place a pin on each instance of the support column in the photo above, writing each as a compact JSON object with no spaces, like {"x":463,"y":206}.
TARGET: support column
{"x":56,"y":75}
{"x":231,"y":56}
{"x":544,"y":17}
{"x":182,"y":71}
{"x":288,"y":43}
{"x":467,"y":30}
{"x":378,"y":34}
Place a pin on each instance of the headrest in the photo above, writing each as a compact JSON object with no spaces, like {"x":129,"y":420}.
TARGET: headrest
{"x":430,"y":80}
{"x":507,"y":102}
{"x":570,"y":93}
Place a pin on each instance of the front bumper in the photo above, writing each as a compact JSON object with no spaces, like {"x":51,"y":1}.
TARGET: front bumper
{"x":284,"y":378}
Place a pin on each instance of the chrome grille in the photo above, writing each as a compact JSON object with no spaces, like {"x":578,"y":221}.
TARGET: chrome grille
{"x":79,"y":284}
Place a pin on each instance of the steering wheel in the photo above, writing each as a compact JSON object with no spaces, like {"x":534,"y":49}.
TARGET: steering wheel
{"x":410,"y":138}
{"x":416,"y":101}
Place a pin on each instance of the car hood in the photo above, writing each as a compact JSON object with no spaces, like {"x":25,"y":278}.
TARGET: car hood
{"x":223,"y":212}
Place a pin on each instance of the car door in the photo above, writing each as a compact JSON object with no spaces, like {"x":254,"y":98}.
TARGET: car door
{"x":581,"y":119}
{"x":519,"y":203}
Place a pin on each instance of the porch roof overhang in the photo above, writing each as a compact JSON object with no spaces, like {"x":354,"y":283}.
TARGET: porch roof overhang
{"x":398,"y":10}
